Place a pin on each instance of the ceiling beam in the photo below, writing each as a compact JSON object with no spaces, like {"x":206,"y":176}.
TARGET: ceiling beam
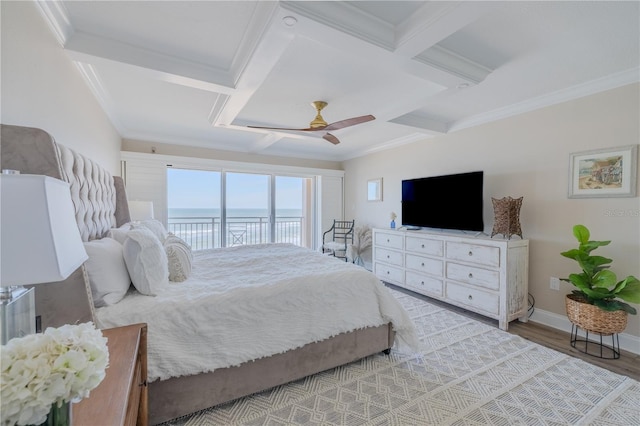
{"x":274,"y":41}
{"x":425,"y":124}
{"x":264,"y":142}
{"x":434,"y":22}
{"x":84,"y":47}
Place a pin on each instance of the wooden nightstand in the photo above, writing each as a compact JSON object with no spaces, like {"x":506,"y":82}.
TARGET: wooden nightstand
{"x":121,"y":398}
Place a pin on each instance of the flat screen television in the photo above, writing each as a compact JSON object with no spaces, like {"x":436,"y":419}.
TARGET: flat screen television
{"x":444,"y":202}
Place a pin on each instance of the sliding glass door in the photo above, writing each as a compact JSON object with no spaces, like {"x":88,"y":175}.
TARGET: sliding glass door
{"x":211,"y":209}
{"x":247,"y":209}
{"x":194,"y":201}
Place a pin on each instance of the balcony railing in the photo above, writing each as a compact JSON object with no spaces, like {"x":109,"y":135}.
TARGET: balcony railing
{"x":205,"y":232}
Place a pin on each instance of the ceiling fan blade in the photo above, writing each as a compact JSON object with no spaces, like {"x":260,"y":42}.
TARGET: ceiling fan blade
{"x":329,"y":137}
{"x":348,"y":122}
{"x":309,"y":129}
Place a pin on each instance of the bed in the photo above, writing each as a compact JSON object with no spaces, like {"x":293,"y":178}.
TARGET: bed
{"x":220,"y":334}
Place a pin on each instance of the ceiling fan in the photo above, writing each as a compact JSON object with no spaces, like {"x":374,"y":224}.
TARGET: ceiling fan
{"x":318,"y":124}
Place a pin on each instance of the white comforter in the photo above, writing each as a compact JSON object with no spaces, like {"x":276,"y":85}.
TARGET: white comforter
{"x":248,"y":302}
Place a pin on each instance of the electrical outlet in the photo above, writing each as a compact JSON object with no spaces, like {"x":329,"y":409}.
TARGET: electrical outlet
{"x":554,"y":283}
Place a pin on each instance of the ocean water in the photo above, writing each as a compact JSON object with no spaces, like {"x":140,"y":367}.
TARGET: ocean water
{"x":201,"y":228}
{"x":215,"y":212}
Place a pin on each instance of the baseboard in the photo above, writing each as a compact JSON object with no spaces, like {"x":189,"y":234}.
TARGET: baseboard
{"x":628,"y":342}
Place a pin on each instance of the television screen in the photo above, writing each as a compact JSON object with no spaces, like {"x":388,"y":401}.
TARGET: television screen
{"x":444,"y":202}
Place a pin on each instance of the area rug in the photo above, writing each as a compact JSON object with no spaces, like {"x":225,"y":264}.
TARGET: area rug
{"x":466,"y":373}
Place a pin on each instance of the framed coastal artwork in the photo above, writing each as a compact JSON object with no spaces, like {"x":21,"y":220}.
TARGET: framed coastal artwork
{"x":610,"y":172}
{"x":374,"y":189}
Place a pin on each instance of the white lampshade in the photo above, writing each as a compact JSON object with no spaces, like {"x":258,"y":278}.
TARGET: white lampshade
{"x":40,"y":238}
{"x":141,"y":210}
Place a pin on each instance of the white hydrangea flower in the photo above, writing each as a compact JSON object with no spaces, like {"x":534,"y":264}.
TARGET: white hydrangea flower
{"x":60,"y":365}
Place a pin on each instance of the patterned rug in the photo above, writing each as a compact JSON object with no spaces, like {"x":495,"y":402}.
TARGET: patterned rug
{"x":467,"y":373}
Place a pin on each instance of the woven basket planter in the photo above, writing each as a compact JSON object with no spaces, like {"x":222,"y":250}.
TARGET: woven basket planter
{"x":591,"y":318}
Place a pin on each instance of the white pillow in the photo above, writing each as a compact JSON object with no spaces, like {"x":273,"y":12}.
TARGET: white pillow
{"x":120,"y":234}
{"x":179,"y":256}
{"x":108,"y":275}
{"x":146,"y":261}
{"x":154,"y":226}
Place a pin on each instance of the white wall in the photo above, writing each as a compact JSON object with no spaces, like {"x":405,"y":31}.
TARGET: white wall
{"x":41,"y":87}
{"x":525,"y":155}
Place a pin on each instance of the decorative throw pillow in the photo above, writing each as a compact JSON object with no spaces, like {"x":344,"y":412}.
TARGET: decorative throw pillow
{"x":120,"y":234}
{"x":108,"y":275}
{"x":179,"y":256}
{"x":146,"y":261}
{"x":154,"y":226}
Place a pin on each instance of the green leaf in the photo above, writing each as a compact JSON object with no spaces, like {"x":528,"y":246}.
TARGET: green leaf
{"x":599,"y":260}
{"x":630,"y":291}
{"x":573,"y":254}
{"x":604,"y":279}
{"x":589,"y":246}
{"x":597,"y":294}
{"x":581,"y":233}
{"x":615,"y":305}
{"x":608,"y":305}
{"x":580,"y":281}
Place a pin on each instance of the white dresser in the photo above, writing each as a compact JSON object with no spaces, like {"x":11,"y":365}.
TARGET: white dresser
{"x":481,"y":274}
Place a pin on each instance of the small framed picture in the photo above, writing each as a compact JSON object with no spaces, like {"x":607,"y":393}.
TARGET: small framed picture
{"x":607,"y":172}
{"x":374,"y":189}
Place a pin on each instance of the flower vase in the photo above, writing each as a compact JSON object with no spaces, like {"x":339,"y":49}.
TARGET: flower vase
{"x":393,"y":224}
{"x":59,"y":415}
{"x":358,"y":261}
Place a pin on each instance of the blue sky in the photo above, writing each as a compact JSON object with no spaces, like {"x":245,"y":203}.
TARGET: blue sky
{"x":201,"y":189}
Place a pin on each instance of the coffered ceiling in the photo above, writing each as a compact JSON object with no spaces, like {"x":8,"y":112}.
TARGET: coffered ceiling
{"x":198,"y":73}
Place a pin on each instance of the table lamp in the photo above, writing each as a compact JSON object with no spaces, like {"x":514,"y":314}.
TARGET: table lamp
{"x":40,"y":243}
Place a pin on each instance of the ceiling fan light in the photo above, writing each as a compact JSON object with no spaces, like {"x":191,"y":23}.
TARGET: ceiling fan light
{"x":318,"y":121}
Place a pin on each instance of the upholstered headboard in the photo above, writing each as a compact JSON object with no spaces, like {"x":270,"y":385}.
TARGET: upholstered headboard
{"x":99,"y":200}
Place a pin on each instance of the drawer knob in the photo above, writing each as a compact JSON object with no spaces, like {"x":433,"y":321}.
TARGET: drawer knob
{"x":388,"y":256}
{"x":470,"y":297}
{"x":422,"y":282}
{"x":423,"y":246}
{"x":422,"y":264}
{"x":388,"y":240}
{"x":470,"y":275}
{"x":470,"y":253}
{"x":387,"y":272}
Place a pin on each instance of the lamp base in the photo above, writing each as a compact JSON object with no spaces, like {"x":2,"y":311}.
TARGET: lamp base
{"x":17,"y":314}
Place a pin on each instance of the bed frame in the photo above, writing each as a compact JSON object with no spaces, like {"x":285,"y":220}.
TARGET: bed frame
{"x":100,"y":203}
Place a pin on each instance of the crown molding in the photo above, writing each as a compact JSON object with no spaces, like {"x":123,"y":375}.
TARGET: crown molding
{"x":56,"y":16}
{"x":452,"y":63}
{"x":90,"y":76}
{"x":430,"y":125}
{"x":394,"y":143}
{"x":348,"y":19}
{"x":602,"y":84}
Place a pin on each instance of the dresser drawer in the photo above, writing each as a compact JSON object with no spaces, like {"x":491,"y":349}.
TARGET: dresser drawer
{"x":424,"y":284}
{"x":424,"y":264}
{"x":389,"y":273}
{"x":389,"y":256}
{"x":424,"y":245}
{"x":486,"y":278}
{"x":476,"y":299}
{"x":474,"y":253}
{"x":390,"y":240}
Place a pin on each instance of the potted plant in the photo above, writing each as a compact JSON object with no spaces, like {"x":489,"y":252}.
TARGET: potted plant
{"x":597,"y":303}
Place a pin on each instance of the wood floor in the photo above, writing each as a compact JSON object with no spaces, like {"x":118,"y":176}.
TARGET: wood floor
{"x":628,"y":364}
